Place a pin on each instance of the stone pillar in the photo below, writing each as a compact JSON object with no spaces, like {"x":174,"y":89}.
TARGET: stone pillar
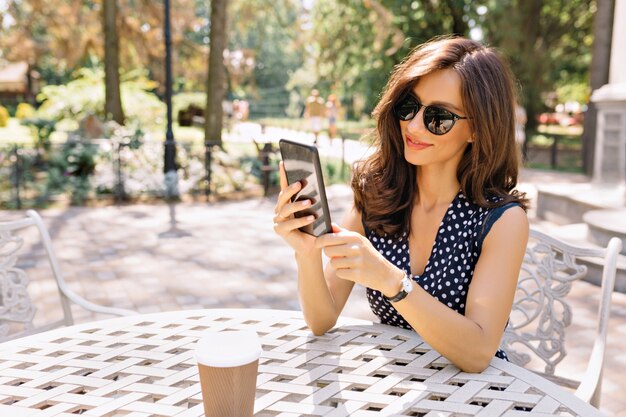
{"x":610,"y":99}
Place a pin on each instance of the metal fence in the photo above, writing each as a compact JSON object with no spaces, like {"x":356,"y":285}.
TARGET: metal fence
{"x":116,"y":169}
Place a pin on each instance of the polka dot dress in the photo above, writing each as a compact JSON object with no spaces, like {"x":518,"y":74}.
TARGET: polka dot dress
{"x":450,"y":267}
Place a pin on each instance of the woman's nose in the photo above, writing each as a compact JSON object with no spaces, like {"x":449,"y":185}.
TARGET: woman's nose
{"x":416,"y":124}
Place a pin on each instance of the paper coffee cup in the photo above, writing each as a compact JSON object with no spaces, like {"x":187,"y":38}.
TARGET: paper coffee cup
{"x":228,"y":363}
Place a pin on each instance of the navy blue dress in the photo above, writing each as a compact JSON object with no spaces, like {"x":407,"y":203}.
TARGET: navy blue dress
{"x":450,"y":267}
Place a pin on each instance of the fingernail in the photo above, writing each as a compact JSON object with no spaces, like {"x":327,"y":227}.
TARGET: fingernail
{"x":305,"y":202}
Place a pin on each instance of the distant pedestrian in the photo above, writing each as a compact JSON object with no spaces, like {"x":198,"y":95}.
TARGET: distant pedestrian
{"x":314,"y":111}
{"x":244,"y":110}
{"x":235,"y":110}
{"x":332,"y":113}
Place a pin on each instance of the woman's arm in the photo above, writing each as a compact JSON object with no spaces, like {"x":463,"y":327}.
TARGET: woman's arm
{"x":322,"y":293}
{"x":471,"y":341}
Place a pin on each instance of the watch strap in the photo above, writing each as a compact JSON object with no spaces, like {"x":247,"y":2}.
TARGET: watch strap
{"x":401,"y":295}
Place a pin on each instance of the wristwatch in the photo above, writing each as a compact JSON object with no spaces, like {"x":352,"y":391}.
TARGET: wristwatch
{"x":407,"y":287}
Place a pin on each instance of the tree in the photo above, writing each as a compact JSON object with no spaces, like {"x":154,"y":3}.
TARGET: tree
{"x":55,"y":36}
{"x":547,"y":42}
{"x":61,"y":36}
{"x":357,"y":43}
{"x":598,"y":75}
{"x":216,"y":81}
{"x":268,"y":36}
{"x":113,"y":97}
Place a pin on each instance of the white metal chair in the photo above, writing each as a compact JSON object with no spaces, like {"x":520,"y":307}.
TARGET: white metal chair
{"x":541,"y":313}
{"x":16,"y":307}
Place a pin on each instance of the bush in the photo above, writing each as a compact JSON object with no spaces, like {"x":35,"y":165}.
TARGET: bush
{"x":142,"y":168}
{"x":4,"y":116}
{"x":71,"y":170}
{"x":182,"y":101}
{"x":42,"y":130}
{"x":24,"y":111}
{"x":186,"y":106}
{"x":85,"y":95}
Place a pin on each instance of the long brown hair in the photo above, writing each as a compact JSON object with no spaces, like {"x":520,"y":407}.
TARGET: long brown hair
{"x":385,"y":184}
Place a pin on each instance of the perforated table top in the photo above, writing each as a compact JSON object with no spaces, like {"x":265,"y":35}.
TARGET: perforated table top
{"x":143,"y":366}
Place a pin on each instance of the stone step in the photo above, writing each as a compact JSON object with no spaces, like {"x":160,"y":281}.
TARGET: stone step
{"x":567,"y":203}
{"x":604,"y":224}
{"x":577,"y":234}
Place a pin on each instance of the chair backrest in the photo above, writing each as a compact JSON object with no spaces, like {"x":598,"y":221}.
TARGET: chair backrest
{"x":541,"y":312}
{"x":17,"y":310}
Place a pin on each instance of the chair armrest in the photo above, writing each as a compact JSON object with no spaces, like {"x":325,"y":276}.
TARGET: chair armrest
{"x":591,"y":384}
{"x":96,"y":308}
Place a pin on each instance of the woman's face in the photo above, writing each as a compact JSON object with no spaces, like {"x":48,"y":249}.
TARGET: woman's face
{"x":441,"y":88}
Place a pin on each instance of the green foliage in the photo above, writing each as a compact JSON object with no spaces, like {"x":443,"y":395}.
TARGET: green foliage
{"x":357,"y":43}
{"x":270,"y":32}
{"x":335,"y":172}
{"x":182,"y":101}
{"x":547,"y":42}
{"x":85,"y":95}
{"x":24,"y":111}
{"x":70,"y":169}
{"x":4,"y":117}
{"x":42,"y":130}
{"x":142,"y":167}
{"x":574,"y":91}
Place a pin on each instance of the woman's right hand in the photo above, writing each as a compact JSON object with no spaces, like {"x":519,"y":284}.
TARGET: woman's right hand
{"x":286,"y":225}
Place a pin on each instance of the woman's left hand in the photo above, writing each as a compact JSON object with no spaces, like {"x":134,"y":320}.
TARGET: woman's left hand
{"x":353,"y":258}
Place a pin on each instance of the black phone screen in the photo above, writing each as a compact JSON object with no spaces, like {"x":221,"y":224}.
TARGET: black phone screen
{"x":302,"y":163}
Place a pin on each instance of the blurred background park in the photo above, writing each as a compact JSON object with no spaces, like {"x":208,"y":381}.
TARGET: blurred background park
{"x":85,"y":85}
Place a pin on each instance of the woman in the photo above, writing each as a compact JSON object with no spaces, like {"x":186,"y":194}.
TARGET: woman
{"x":437,"y":232}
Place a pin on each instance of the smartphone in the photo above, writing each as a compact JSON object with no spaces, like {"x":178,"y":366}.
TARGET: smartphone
{"x":302,"y":163}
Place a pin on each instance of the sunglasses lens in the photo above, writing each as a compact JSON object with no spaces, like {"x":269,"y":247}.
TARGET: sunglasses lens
{"x":438,"y":121}
{"x":406,"y":109}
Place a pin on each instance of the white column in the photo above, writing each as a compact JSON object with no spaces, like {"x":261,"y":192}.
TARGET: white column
{"x":610,"y":99}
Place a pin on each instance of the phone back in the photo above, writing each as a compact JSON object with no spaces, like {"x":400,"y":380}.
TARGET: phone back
{"x":302,"y":164}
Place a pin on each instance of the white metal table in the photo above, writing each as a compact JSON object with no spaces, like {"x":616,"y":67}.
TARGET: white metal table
{"x":143,"y":365}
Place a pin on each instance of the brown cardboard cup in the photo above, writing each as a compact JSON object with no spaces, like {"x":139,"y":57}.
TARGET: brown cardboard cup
{"x":227,"y":364}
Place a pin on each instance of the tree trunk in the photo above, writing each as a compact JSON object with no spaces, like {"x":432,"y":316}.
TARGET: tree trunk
{"x":217,"y":76}
{"x":459,"y":26}
{"x":531,"y":62}
{"x":113,"y":98}
{"x":598,"y":75}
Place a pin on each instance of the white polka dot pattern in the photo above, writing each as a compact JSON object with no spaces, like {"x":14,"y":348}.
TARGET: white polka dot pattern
{"x":449,"y":268}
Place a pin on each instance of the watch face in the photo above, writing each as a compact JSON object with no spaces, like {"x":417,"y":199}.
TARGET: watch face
{"x":407,"y":284}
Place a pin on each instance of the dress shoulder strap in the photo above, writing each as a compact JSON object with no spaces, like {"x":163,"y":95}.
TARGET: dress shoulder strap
{"x":492,"y":216}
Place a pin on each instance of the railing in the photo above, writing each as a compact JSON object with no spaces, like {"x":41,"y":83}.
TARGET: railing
{"x":109,"y":168}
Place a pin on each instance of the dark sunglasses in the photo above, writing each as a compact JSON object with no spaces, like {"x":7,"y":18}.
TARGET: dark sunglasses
{"x":437,"y":120}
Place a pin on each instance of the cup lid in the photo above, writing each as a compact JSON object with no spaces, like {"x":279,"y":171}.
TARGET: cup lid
{"x":228,"y":348}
